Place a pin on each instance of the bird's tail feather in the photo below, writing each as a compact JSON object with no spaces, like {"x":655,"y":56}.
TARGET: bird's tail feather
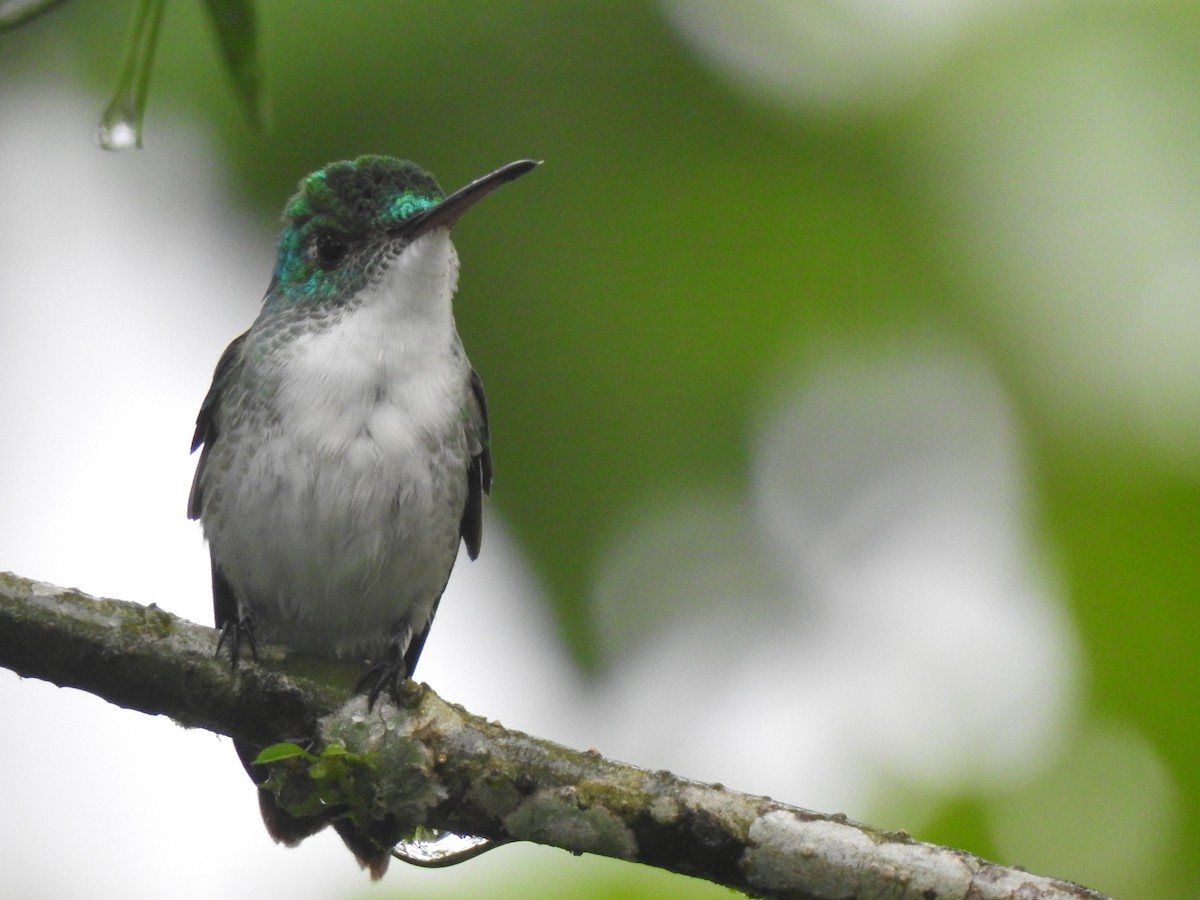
{"x":290,"y":830}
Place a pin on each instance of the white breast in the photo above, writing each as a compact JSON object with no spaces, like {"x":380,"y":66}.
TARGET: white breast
{"x":345,"y":526}
{"x":390,"y":369}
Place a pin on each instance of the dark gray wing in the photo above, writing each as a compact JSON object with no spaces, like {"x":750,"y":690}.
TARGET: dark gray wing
{"x":206,"y":420}
{"x":225,"y":608}
{"x":479,"y":484}
{"x":479,"y":475}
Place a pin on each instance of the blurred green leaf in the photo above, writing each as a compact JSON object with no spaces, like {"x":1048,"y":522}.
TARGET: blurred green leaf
{"x":236,"y":27}
{"x":277,"y":752}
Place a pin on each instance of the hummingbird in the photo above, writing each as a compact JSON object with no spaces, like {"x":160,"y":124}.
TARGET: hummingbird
{"x":346,"y":450}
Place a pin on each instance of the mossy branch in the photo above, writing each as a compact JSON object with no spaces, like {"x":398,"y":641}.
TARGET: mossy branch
{"x":435,"y":764}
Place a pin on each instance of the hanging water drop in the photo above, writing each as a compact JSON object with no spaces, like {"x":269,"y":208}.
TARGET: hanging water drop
{"x":121,"y":125}
{"x":437,"y":849}
{"x":118,"y":129}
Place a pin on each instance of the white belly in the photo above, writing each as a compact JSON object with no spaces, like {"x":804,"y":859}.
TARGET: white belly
{"x":334,"y":555}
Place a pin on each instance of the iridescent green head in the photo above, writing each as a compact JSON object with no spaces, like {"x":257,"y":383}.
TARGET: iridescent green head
{"x":350,"y":218}
{"x":341,"y":218}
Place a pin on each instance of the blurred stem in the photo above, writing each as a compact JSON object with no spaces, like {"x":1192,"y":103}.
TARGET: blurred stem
{"x":121,"y":124}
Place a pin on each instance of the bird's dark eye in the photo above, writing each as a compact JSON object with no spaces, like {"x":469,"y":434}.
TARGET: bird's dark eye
{"x":329,"y":250}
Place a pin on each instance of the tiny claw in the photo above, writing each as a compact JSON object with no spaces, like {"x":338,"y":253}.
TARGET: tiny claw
{"x":389,"y":673}
{"x":236,"y":632}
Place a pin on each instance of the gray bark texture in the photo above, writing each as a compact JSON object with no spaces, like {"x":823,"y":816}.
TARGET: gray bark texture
{"x":433,"y":764}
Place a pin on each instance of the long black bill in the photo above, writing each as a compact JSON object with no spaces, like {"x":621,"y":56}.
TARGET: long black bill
{"x":450,"y":210}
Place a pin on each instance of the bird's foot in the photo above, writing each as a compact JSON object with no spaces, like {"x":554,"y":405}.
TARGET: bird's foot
{"x":235,"y":631}
{"x":387,"y":674}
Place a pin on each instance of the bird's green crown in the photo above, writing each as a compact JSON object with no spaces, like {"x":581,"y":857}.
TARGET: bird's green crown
{"x":334,"y":214}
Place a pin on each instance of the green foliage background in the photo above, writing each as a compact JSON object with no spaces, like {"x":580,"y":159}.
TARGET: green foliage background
{"x":683,"y":243}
